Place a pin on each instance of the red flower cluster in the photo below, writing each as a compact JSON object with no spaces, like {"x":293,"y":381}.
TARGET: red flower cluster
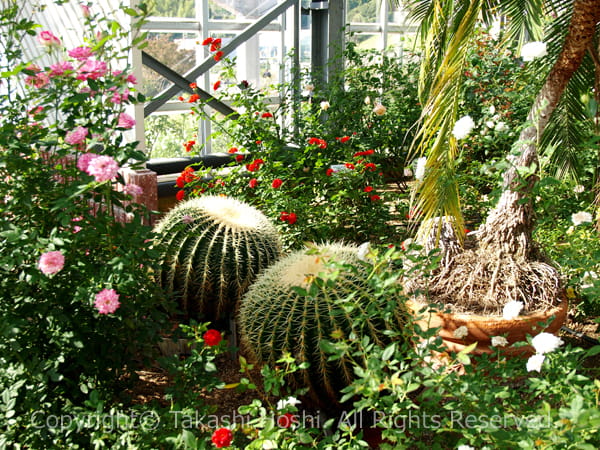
{"x":180,"y":195}
{"x":349,"y":166}
{"x":253,"y":183}
{"x":288,"y":217}
{"x":368,"y":189}
{"x":364,"y":153}
{"x":287,"y":420}
{"x":254,"y":165}
{"x":193,"y":98}
{"x":316,"y":141}
{"x":267,"y":115}
{"x":329,"y":172}
{"x":371,"y":166}
{"x":188,"y":145}
{"x":343,"y":139}
{"x":212,"y":338}
{"x":375,"y":198}
{"x":232,"y":150}
{"x":215,"y":44}
{"x":222,"y":437}
{"x":185,"y":177}
{"x":239,"y":158}
{"x":193,"y":85}
{"x":277,"y":182}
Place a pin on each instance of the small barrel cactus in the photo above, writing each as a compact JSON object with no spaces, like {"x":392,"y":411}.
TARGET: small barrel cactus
{"x":211,"y":249}
{"x":275,"y":319}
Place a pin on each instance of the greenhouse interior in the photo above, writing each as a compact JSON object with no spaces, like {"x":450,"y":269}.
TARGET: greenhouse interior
{"x":414,"y":183}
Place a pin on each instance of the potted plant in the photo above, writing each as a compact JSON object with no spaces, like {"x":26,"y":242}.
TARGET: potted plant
{"x":500,"y":263}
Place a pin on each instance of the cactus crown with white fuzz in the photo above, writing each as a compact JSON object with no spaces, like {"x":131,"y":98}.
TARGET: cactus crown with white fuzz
{"x":211,"y":249}
{"x":275,"y":318}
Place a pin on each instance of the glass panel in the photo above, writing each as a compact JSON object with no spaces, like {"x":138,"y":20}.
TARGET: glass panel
{"x":175,"y":50}
{"x":362,"y":11}
{"x":250,"y":9}
{"x":173,"y":8}
{"x":166,"y":134}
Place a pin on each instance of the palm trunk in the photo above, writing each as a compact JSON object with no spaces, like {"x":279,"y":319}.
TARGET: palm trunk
{"x":509,"y":225}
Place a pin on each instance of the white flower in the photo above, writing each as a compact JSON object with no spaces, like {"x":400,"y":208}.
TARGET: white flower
{"x":461,"y":332}
{"x":533,"y":50}
{"x":289,"y":401}
{"x":363,"y":251}
{"x":492,"y":110}
{"x":499,"y":341}
{"x":420,"y":168}
{"x":535,"y":363}
{"x":512,"y":310}
{"x":490,"y":124}
{"x":465,"y":447}
{"x":269,"y":445}
{"x":579,"y":189}
{"x":546,"y":343}
{"x":501,"y":126}
{"x":325,"y":105}
{"x":581,"y":217}
{"x":588,"y":279}
{"x":463,"y":127}
{"x":367,"y":100}
{"x":379,"y":109}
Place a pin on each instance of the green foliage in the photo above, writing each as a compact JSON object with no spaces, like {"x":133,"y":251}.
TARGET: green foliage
{"x":211,"y":249}
{"x":330,"y":151}
{"x":57,"y":344}
{"x":302,"y":302}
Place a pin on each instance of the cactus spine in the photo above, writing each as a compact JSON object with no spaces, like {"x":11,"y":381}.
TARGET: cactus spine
{"x":275,"y":319}
{"x":211,"y":249}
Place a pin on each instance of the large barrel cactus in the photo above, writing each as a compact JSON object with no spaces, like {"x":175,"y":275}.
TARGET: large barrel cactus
{"x":274,"y":318}
{"x":211,"y":249}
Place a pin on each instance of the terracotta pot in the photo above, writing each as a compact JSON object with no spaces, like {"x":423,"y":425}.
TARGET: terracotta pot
{"x":482,"y":328}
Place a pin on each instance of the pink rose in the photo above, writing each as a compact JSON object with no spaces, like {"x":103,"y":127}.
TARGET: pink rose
{"x":47,"y":39}
{"x":107,"y":301}
{"x":125,"y":121}
{"x":60,"y":68}
{"x":84,"y":161}
{"x":76,"y":136}
{"x":92,"y":69}
{"x":103,"y":168}
{"x":51,"y":262}
{"x":80,"y":53}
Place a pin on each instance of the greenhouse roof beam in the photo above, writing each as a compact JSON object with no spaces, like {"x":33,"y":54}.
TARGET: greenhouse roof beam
{"x":209,"y":62}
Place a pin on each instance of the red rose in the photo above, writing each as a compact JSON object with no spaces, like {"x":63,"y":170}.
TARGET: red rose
{"x":284,"y":216}
{"x":239,"y":158}
{"x":277,"y":182}
{"x":212,"y":338}
{"x":371,"y":166}
{"x":207,"y":41}
{"x":193,"y":98}
{"x":286,"y":420}
{"x":218,"y":56}
{"x":215,"y":44}
{"x":222,"y":438}
{"x":344,"y":139}
{"x":217,"y":85}
{"x":232,"y":150}
{"x":180,"y":194}
{"x":193,"y":86}
{"x":349,"y":166}
{"x":253,"y":183}
{"x":292,"y":218}
{"x":180,"y":183}
{"x":329,"y":172}
{"x":267,"y":115}
{"x":375,"y":198}
{"x":368,"y":188}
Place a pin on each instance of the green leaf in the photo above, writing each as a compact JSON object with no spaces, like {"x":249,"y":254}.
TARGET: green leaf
{"x":388,"y":352}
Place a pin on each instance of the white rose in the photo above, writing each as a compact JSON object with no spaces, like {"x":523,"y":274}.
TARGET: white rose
{"x":533,"y":50}
{"x":581,"y":217}
{"x":325,"y":105}
{"x":499,"y":341}
{"x":461,"y":332}
{"x":420,"y":168}
{"x":546,"y":343}
{"x":512,"y":310}
{"x":363,"y":251}
{"x":463,"y":127}
{"x":535,"y":363}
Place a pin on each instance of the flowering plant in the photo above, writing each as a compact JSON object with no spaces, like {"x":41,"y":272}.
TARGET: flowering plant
{"x":318,"y":180}
{"x":75,"y":290}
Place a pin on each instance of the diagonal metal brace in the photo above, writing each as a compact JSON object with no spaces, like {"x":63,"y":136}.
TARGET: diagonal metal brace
{"x":209,"y":62}
{"x":182,"y":84}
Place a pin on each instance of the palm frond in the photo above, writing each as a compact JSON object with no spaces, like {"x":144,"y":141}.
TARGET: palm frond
{"x":437,"y":193}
